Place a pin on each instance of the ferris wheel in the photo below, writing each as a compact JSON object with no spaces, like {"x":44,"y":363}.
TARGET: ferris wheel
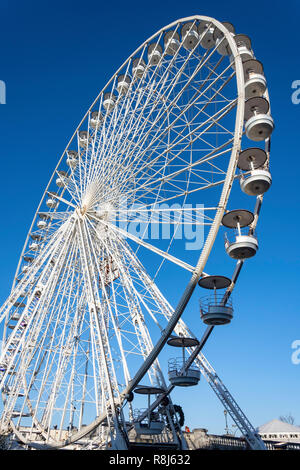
{"x":182,"y":122}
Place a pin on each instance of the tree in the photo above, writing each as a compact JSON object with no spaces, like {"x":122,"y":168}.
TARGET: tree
{"x":287,"y":419}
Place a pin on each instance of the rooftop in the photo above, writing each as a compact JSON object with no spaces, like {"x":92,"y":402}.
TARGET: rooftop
{"x":276,"y":427}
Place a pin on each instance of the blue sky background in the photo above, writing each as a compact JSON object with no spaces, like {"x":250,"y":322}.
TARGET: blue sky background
{"x":55,"y":57}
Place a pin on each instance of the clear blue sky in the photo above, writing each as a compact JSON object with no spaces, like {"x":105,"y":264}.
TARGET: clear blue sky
{"x":55,"y":57}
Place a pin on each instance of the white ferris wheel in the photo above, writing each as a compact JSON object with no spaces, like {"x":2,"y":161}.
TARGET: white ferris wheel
{"x":181,"y":123}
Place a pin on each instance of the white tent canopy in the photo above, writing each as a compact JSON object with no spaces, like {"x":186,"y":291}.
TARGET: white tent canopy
{"x":280,"y":431}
